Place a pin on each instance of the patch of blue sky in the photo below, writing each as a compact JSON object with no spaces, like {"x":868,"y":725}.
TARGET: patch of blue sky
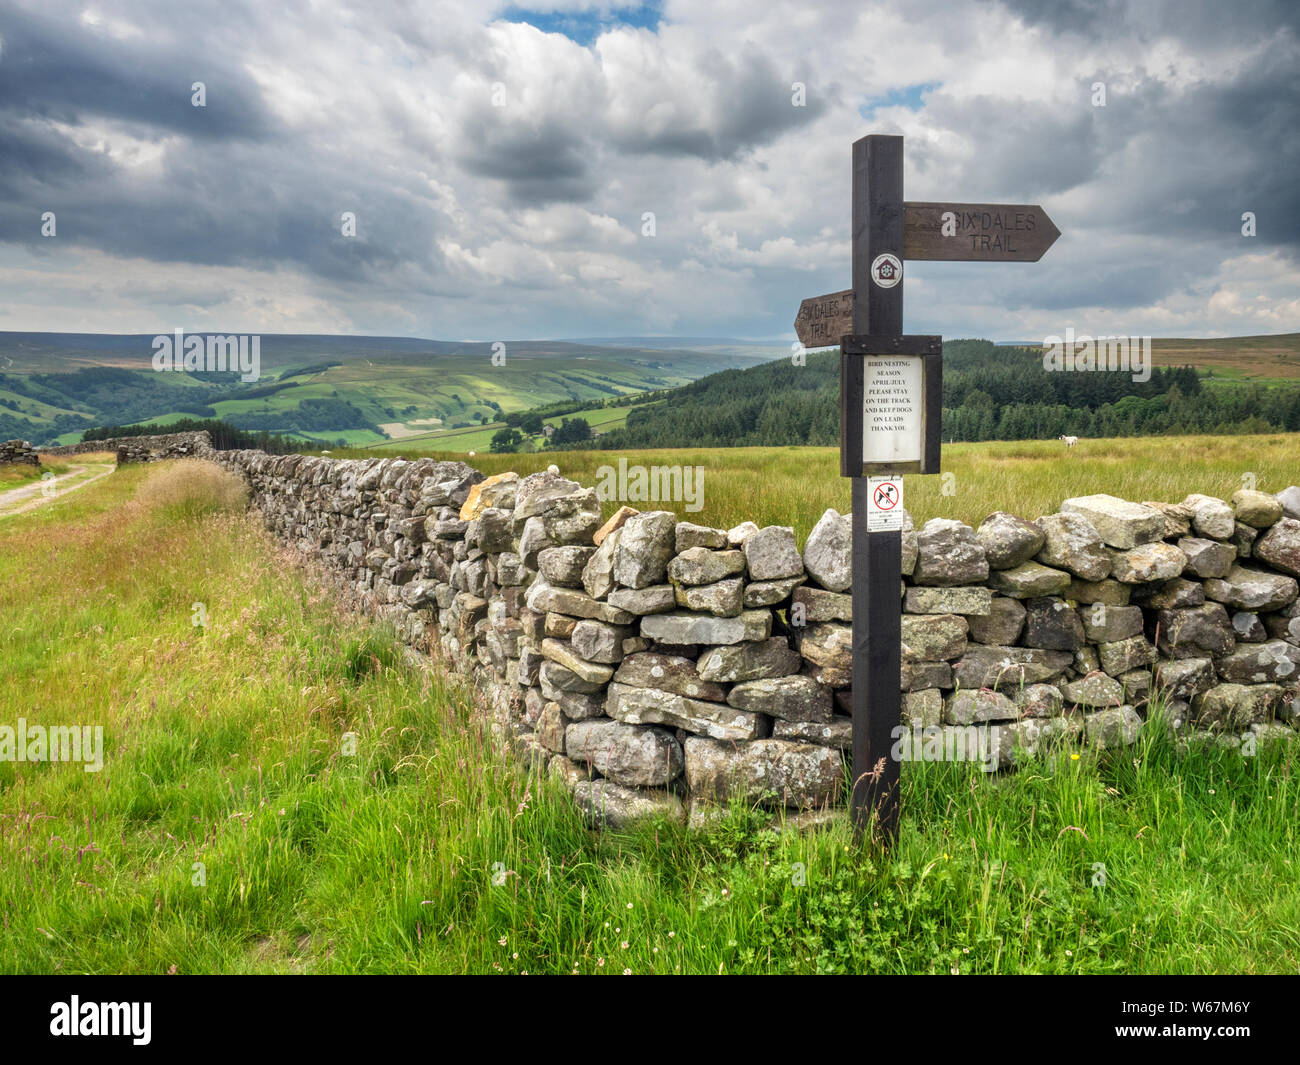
{"x":585,"y":26}
{"x":909,"y":96}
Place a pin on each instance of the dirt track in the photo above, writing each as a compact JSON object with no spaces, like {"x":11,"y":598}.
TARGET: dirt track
{"x":37,"y":493}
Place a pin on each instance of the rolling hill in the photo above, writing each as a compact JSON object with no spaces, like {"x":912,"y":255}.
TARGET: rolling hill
{"x":362,"y":390}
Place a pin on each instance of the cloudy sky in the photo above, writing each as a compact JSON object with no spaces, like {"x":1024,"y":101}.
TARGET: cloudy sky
{"x":499,"y":161}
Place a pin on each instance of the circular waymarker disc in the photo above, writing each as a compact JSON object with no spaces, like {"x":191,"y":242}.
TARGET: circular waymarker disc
{"x":887,"y":270}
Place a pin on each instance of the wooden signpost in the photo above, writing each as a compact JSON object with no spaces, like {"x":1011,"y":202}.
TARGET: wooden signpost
{"x":890,"y":403}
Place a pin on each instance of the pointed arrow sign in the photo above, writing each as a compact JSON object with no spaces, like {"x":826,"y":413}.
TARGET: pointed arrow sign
{"x":822,"y":320}
{"x":977,"y":232}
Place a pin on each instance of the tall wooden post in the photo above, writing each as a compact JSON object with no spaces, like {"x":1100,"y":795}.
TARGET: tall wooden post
{"x":891,"y":401}
{"x":877,"y":556}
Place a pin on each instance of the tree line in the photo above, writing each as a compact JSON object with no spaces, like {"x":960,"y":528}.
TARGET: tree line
{"x":989,"y":393}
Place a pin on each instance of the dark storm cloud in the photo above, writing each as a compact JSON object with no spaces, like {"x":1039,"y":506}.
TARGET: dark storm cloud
{"x":239,"y":190}
{"x":1197,"y":22}
{"x":60,"y":70}
{"x":744,"y":104}
{"x":1197,"y":159}
{"x":537,"y":164}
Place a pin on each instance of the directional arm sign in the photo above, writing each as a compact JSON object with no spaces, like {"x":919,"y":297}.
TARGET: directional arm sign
{"x":977,"y":232}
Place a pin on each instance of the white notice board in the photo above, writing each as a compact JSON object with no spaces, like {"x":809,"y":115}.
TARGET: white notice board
{"x":892,"y":402}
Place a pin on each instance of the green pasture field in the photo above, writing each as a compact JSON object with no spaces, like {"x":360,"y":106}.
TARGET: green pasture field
{"x":794,"y":486}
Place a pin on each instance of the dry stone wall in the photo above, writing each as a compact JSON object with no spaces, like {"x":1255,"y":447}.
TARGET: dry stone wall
{"x":143,"y":448}
{"x":658,"y":666}
{"x":18,"y":452}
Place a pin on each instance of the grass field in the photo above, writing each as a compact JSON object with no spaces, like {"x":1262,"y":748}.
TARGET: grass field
{"x":1272,"y":357}
{"x":794,"y":486}
{"x":234,"y":827}
{"x":479,"y":439}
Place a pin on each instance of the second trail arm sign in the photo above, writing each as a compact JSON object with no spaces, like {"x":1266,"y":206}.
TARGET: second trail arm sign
{"x":890,"y":404}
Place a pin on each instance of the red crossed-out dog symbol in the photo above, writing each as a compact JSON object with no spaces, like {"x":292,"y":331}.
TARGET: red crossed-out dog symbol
{"x":886,"y":496}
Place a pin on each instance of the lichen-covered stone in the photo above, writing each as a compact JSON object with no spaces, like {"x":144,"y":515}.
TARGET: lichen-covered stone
{"x":597,"y":641}
{"x":657,"y":599}
{"x":770,"y":772}
{"x":682,"y":627}
{"x":1029,"y":580}
{"x":836,"y":733}
{"x":971,"y":600}
{"x":1235,"y":706}
{"x":791,"y":698}
{"x":1120,"y":656}
{"x":564,"y":565}
{"x":1103,"y":623}
{"x":1039,"y":700}
{"x":598,"y":573}
{"x":689,"y":535}
{"x":1194,"y":632}
{"x":817,"y":604}
{"x":922,"y":708}
{"x":1249,"y":588}
{"x":1071,"y":543}
{"x":653,"y":706}
{"x":1211,"y":517}
{"x":1118,"y":727}
{"x":1185,"y":678}
{"x":828,"y":553}
{"x":828,"y":644}
{"x":1147,"y":562}
{"x":725,"y":599}
{"x":948,"y":553}
{"x":633,"y":755}
{"x":1108,"y":591}
{"x":1002,"y":624}
{"x":770,"y":593}
{"x":1206,"y":558}
{"x":1009,"y":667}
{"x":1118,"y":522}
{"x":1007,"y":540}
{"x":1280,"y":546}
{"x":671,"y":673}
{"x":933,"y":637}
{"x":544,"y":597}
{"x":1095,"y":690}
{"x":611,"y":805}
{"x":749,"y":661}
{"x":1259,"y":510}
{"x":560,"y":652}
{"x":700,"y":565}
{"x":1273,"y":662}
{"x":647,"y":543}
{"x":970,"y":705}
{"x":1176,"y":594}
{"x":1051,"y":623}
{"x":771,"y":554}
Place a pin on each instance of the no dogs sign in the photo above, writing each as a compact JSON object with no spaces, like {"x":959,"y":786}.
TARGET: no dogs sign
{"x":885,"y":504}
